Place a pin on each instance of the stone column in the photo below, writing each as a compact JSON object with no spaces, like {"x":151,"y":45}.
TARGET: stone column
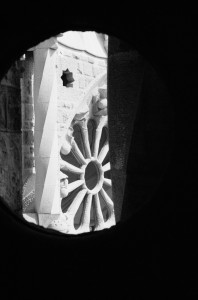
{"x":47,"y":189}
{"x":125,"y":76}
{"x":27,"y":111}
{"x":10,"y":138}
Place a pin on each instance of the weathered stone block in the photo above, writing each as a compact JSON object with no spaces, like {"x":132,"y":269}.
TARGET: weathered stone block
{"x":28,"y":112}
{"x":46,"y":219}
{"x":31,"y":217}
{"x":80,"y":67}
{"x":62,"y":115}
{"x":4,"y":152}
{"x":87,"y":67}
{"x":103,"y":92}
{"x":88,"y":80}
{"x":28,"y":86}
{"x":26,"y":149}
{"x":81,"y":83}
{"x":27,"y":82}
{"x":91,"y":60}
{"x":102,"y":63}
{"x":28,"y":137}
{"x":65,"y":52}
{"x":28,"y":162}
{"x":27,"y":125}
{"x":3,"y":123}
{"x":12,"y":77}
{"x":32,"y":150}
{"x":97,"y":70}
{"x":83,"y":57}
{"x":76,"y":56}
{"x":14,"y":109}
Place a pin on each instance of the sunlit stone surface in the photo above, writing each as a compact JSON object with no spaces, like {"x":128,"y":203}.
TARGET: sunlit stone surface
{"x":63,"y":101}
{"x":55,"y":119}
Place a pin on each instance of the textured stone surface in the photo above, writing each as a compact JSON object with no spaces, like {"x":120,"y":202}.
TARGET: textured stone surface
{"x":13,"y":109}
{"x":17,"y":111}
{"x":82,"y":82}
{"x":27,"y":109}
{"x":78,"y":199}
{"x":68,"y":102}
{"x":87,"y":68}
{"x":31,"y":217}
{"x":10,"y":140}
{"x":3,"y":108}
{"x":12,"y":77}
{"x":45,"y":135}
{"x":45,"y":219}
{"x":97,"y":70}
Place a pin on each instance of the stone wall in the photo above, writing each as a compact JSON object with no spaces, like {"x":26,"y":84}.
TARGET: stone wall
{"x":27,"y":114}
{"x":10,"y":138}
{"x":85,"y":69}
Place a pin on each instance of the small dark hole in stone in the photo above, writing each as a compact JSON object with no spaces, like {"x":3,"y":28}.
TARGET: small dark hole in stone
{"x":67,"y":78}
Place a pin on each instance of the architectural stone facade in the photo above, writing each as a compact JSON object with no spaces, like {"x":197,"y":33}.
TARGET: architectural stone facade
{"x":10,"y":139}
{"x":70,"y":188}
{"x":55,"y":124}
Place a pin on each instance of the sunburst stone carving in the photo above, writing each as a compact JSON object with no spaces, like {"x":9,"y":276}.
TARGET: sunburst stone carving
{"x":85,"y":183}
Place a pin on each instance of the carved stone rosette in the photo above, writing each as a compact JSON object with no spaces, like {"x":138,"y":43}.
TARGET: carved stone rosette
{"x":85,"y":183}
